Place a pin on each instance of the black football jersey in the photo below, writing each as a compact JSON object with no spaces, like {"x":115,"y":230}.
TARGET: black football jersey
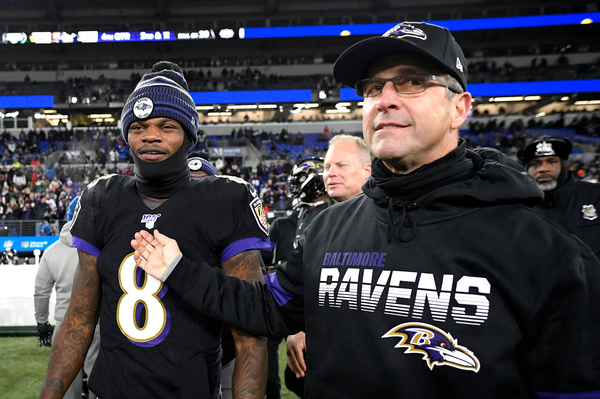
{"x":155,"y":345}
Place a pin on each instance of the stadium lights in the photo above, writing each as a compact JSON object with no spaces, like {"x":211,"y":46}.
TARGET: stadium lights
{"x":51,"y":116}
{"x":533,"y":98}
{"x":588,"y":102}
{"x":14,"y":37}
{"x":219,"y":114}
{"x":506,"y":99}
{"x":41,"y":37}
{"x":301,"y":106}
{"x":50,"y":111}
{"x":204,"y":107}
{"x":267,"y":106}
{"x":102,"y":116}
{"x":249,"y":106}
{"x":306,"y":105}
{"x":565,"y":98}
{"x":342,"y":107}
{"x":539,"y":115}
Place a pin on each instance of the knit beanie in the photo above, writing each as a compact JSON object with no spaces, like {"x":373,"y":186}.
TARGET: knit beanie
{"x":197,"y":163}
{"x":162,"y":93}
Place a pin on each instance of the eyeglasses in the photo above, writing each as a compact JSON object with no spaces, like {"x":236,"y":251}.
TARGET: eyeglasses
{"x":404,"y":84}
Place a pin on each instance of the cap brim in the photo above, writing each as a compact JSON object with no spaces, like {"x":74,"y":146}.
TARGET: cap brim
{"x":352,"y":65}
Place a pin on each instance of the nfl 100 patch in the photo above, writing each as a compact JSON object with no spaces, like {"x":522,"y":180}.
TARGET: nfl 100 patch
{"x":150,"y":219}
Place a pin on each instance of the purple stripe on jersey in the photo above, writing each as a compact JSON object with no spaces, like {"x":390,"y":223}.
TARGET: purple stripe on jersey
{"x":243,"y":245}
{"x":577,"y":395}
{"x":281,"y":296}
{"x":85,"y":246}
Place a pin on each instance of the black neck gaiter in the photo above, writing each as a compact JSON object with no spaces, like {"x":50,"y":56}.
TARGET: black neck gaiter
{"x":451,"y":168}
{"x":163,"y":179}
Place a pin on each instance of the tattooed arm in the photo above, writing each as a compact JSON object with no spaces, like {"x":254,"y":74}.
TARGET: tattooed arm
{"x":250,"y":371}
{"x":77,"y":329}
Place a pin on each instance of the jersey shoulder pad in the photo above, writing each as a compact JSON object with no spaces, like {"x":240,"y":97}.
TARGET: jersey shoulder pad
{"x":238,"y":180}
{"x":102,"y":181}
{"x":99,"y":189}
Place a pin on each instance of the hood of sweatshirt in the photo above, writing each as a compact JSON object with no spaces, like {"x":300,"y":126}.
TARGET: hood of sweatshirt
{"x":65,"y":234}
{"x":459,"y":183}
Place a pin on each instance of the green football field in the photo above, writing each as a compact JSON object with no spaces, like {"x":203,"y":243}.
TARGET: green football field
{"x":23,"y":366}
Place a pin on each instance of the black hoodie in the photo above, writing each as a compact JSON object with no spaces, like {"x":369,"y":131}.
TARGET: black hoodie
{"x":442,"y":283}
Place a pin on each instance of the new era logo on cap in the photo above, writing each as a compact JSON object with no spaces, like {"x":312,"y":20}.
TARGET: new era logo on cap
{"x":459,"y":65}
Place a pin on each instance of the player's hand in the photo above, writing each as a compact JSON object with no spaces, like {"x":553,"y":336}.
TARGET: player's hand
{"x":45,"y":331}
{"x":154,"y":253}
{"x":296,"y":345}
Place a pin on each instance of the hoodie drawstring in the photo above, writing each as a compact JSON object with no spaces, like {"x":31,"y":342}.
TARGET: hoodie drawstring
{"x":404,"y":221}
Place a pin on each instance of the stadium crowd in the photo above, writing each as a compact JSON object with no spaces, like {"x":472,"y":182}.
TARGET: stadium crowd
{"x":43,"y":171}
{"x":105,"y":90}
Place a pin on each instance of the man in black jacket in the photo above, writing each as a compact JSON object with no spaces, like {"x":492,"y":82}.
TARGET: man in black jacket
{"x":571,"y":203}
{"x":306,"y":189}
{"x":419,"y":288}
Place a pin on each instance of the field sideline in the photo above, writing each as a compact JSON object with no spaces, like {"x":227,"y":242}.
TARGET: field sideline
{"x":24,"y":363}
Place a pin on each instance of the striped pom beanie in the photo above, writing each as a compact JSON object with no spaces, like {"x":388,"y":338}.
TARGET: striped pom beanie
{"x":162,"y":93}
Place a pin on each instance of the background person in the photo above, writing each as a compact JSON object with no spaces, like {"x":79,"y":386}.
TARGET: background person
{"x":56,"y":271}
{"x":200,"y":167}
{"x":409,"y":291}
{"x":347,"y":167}
{"x":571,"y":203}
{"x":306,"y":189}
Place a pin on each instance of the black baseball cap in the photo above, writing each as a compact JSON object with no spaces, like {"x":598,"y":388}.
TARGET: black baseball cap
{"x":432,"y":41}
{"x":545,"y":146}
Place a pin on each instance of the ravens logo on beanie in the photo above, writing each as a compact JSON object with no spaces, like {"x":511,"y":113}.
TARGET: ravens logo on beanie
{"x":162,"y":93}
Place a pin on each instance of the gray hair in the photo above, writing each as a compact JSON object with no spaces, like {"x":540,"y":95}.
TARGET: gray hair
{"x":364,"y":153}
{"x":452,"y":82}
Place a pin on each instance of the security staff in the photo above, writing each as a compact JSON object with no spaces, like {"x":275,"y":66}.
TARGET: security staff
{"x":571,"y":203}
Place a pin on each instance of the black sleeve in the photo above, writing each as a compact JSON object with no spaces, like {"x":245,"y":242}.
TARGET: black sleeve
{"x":249,"y":305}
{"x":563,"y":356}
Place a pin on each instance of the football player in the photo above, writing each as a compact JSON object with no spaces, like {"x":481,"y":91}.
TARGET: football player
{"x":154,"y":344}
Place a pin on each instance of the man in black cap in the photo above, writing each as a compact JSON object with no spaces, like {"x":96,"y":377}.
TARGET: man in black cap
{"x":419,"y":288}
{"x":571,"y":203}
{"x":154,"y":344}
